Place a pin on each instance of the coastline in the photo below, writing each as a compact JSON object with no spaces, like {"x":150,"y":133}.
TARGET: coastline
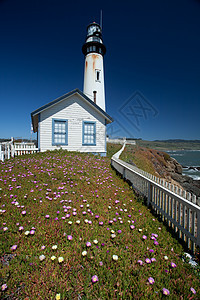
{"x":163,"y":165}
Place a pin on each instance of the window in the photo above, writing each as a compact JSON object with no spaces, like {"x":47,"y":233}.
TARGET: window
{"x":89,"y":133}
{"x":59,"y":132}
{"x":98,"y":73}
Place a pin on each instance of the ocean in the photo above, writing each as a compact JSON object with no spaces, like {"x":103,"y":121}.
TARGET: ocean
{"x":188,"y":159}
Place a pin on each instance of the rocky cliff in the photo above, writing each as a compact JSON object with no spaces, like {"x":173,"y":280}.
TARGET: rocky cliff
{"x":160,"y":164}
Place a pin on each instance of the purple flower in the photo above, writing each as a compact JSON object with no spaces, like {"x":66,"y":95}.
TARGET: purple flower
{"x":165,"y":292}
{"x":119,"y":231}
{"x":101,"y":263}
{"x":101,"y":223}
{"x":14,"y":247}
{"x":96,"y":217}
{"x":173,"y":265}
{"x":140,"y":262}
{"x":4,"y":287}
{"x":132,"y":226}
{"x":192,"y":290}
{"x":156,"y":243}
{"x":32,"y":232}
{"x":69,"y":237}
{"x":144,"y":237}
{"x":153,"y":259}
{"x":147,"y":260}
{"x":151,"y":280}
{"x":95,"y":278}
{"x":47,"y":216}
{"x":88,"y":244}
{"x":23,"y":212}
{"x":151,"y":250}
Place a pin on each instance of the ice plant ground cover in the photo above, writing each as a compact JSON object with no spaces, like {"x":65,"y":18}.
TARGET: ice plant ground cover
{"x":72,"y":229}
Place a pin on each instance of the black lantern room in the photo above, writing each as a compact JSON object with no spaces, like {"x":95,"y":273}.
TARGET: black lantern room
{"x":94,"y":41}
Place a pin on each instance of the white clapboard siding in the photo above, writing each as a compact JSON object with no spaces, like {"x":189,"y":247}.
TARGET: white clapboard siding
{"x":75,"y":110}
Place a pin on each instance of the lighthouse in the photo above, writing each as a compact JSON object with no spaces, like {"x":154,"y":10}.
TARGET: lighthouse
{"x":94,"y":51}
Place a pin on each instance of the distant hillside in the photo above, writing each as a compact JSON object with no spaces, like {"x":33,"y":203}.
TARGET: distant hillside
{"x":178,"y":141}
{"x":176,"y":144}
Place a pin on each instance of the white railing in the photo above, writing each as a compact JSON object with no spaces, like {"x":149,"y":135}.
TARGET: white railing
{"x":180,"y":209}
{"x":11,"y":149}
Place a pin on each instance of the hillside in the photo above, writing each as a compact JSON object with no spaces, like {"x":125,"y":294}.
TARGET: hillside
{"x":170,"y":144}
{"x":72,"y":229}
{"x":160,"y":164}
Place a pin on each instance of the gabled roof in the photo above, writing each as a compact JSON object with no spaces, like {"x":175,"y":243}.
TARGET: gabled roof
{"x":35,"y":113}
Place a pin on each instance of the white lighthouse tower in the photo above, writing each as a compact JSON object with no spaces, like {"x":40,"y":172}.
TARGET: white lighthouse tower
{"x":94,"y":50}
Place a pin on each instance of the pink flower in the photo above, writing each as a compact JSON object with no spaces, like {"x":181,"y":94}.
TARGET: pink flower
{"x":173,"y":265}
{"x":140,"y":262}
{"x":47,"y":216}
{"x":132,"y":226}
{"x":4,"y":287}
{"x":147,"y":260}
{"x":95,"y":278}
{"x":88,"y":244}
{"x":192,"y":290}
{"x":69,"y":237}
{"x":165,"y":292}
{"x":23,"y":212}
{"x":14,"y":247}
{"x":144,"y":237}
{"x":151,"y":280}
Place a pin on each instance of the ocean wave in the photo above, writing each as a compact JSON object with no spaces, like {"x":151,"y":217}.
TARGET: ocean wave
{"x":196,"y":177}
{"x":191,"y":168}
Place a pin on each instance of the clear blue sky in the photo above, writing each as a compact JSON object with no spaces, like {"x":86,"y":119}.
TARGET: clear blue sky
{"x":152,"y":61}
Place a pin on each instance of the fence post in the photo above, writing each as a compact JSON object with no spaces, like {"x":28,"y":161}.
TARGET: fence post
{"x":198,"y":228}
{"x":124,"y":169}
{"x":149,"y":198}
{"x":8,"y":149}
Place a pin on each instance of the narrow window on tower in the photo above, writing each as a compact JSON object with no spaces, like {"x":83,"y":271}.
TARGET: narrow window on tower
{"x":98,"y":75}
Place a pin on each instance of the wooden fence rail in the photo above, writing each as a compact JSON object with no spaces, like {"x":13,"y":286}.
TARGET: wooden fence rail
{"x":178,"y":208}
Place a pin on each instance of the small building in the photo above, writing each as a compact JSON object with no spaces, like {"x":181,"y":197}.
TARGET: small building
{"x":77,"y":120}
{"x":72,"y":122}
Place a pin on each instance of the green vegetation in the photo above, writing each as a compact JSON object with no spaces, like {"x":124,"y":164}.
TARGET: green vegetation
{"x":112,"y":149}
{"x":72,"y":229}
{"x":148,"y":160}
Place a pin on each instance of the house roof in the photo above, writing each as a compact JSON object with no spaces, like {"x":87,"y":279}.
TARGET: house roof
{"x":35,"y":113}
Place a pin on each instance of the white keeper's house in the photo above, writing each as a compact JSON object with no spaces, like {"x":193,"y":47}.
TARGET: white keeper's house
{"x":77,"y":120}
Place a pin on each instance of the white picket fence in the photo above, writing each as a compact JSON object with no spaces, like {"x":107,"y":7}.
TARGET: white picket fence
{"x":11,"y":149}
{"x":180,"y":209}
